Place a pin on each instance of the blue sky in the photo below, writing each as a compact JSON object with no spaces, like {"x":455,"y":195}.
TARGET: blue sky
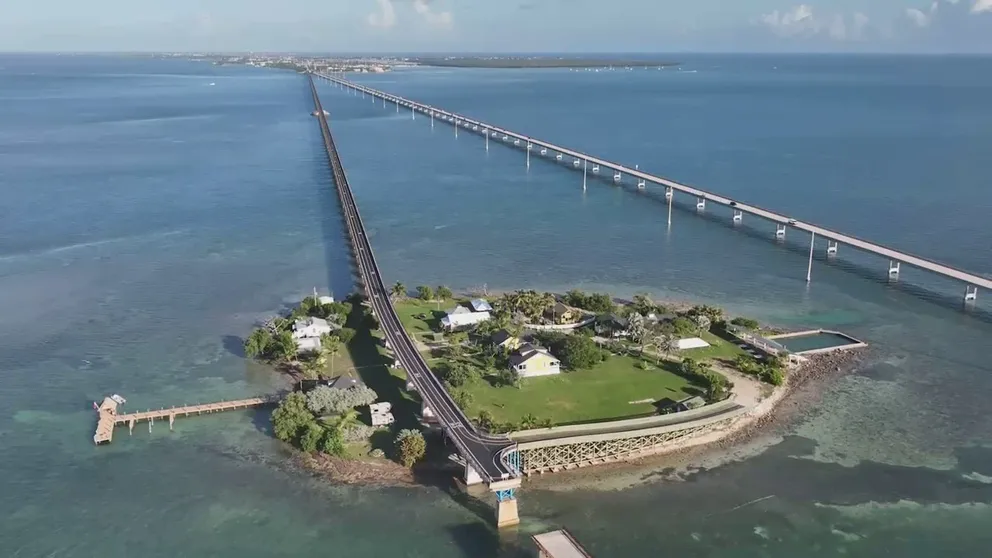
{"x":498,"y":25}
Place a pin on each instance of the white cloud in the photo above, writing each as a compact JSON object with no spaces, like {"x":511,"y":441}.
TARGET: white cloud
{"x":801,"y":21}
{"x":981,"y":6}
{"x":385,"y":17}
{"x":789,"y":23}
{"x":437,"y":19}
{"x":918,"y":17}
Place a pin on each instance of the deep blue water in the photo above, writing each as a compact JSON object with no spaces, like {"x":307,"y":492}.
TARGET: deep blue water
{"x":153,"y":210}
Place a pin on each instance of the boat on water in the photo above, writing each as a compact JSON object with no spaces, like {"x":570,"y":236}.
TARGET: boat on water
{"x":118,"y":399}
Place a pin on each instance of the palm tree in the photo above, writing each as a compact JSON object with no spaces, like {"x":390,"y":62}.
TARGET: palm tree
{"x":398,"y":290}
{"x":666,"y":343}
{"x":330,"y":345}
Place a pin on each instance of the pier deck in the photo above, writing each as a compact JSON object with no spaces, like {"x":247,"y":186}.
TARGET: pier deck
{"x":559,"y":544}
{"x":109,"y":418}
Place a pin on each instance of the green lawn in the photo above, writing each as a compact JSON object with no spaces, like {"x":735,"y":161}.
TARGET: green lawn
{"x":719,"y":349}
{"x":409,"y":309}
{"x":601,"y":393}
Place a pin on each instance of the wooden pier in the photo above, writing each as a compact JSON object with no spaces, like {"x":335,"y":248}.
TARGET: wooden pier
{"x":109,"y":418}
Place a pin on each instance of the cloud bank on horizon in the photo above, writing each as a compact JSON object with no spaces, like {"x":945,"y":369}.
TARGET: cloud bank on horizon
{"x":501,"y":25}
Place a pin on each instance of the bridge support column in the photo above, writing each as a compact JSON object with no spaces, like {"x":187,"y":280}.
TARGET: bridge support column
{"x":831,"y":248}
{"x":809,"y":268}
{"x":528,"y":153}
{"x":413,"y":113}
{"x":700,"y":204}
{"x":893,"y":269}
{"x":472,"y":476}
{"x":172,"y":420}
{"x":585,"y":173}
{"x":970,"y":293}
{"x":432,"y":120}
{"x":456,"y":128}
{"x":738,"y":216}
{"x":426,"y":414}
{"x":506,"y":508}
{"x":486,"y":131}
{"x":669,"y":195}
{"x":617,"y":177}
{"x":780,"y":232}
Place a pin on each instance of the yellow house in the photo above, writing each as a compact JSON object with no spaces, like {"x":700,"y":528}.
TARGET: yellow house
{"x":530,"y":361}
{"x":502,"y":339}
{"x":561,"y":314}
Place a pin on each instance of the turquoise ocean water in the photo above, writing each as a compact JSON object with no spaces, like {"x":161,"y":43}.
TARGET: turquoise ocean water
{"x":152,"y":210}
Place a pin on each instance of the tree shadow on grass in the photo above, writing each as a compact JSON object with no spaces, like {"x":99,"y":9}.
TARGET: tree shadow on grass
{"x":372,"y":366}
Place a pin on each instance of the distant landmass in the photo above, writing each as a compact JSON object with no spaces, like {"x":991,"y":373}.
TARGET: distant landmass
{"x":538,"y":62}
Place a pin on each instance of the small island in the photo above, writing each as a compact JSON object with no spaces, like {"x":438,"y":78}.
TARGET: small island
{"x":528,"y":364}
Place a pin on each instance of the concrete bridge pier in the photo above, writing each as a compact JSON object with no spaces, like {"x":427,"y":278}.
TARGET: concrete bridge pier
{"x":595,"y":169}
{"x":486,"y":131}
{"x":780,"y":232}
{"x":472,"y":477}
{"x":700,"y":204}
{"x":893,"y":269}
{"x":617,"y":177}
{"x":585,"y":172}
{"x":528,"y":153}
{"x":456,"y":128}
{"x":507,"y":514}
{"x":738,"y":216}
{"x":558,"y":157}
{"x":809,"y":267}
{"x":669,"y":192}
{"x":432,"y":120}
{"x":426,"y":414}
{"x":970,"y":294}
{"x":413,"y":113}
{"x":831,"y":248}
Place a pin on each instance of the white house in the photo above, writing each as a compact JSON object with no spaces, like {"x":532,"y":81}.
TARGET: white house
{"x":480,"y":305}
{"x":462,"y":316}
{"x":310,"y":327}
{"x":308,"y":344}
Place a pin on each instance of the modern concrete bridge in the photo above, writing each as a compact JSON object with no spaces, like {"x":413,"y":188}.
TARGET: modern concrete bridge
{"x":563,"y":154}
{"x":488,"y":459}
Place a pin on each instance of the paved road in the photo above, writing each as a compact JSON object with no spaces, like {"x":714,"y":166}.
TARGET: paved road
{"x":482,"y":451}
{"x":477,"y":126}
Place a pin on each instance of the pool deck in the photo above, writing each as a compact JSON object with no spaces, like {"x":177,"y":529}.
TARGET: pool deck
{"x":854,"y":342}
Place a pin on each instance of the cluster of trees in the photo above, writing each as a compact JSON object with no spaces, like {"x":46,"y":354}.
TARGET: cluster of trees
{"x":293,"y":422}
{"x":296,"y":420}
{"x":424,"y":292}
{"x":576,"y":352}
{"x":529,"y":304}
{"x":273,"y":341}
{"x":716,"y":385}
{"x":486,"y":421}
{"x":772,"y":371}
{"x":600,"y":303}
{"x":410,"y":446}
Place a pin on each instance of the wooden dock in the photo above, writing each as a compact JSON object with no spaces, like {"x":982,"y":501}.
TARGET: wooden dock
{"x":109,"y":418}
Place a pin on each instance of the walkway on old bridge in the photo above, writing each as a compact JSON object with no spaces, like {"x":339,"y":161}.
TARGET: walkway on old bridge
{"x":110,"y":419}
{"x":971,"y":281}
{"x":488,"y":458}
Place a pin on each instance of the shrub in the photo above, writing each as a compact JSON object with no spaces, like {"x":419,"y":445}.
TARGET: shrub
{"x":313,"y":433}
{"x":357,"y":433}
{"x":333,"y":442}
{"x":425,"y":293}
{"x":377,"y":453}
{"x":410,"y":446}
{"x":443,"y":292}
{"x":745,"y":323}
{"x":324,"y":400}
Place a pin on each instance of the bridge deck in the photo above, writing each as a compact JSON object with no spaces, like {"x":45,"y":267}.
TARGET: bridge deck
{"x":108,"y":417}
{"x":971,"y":279}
